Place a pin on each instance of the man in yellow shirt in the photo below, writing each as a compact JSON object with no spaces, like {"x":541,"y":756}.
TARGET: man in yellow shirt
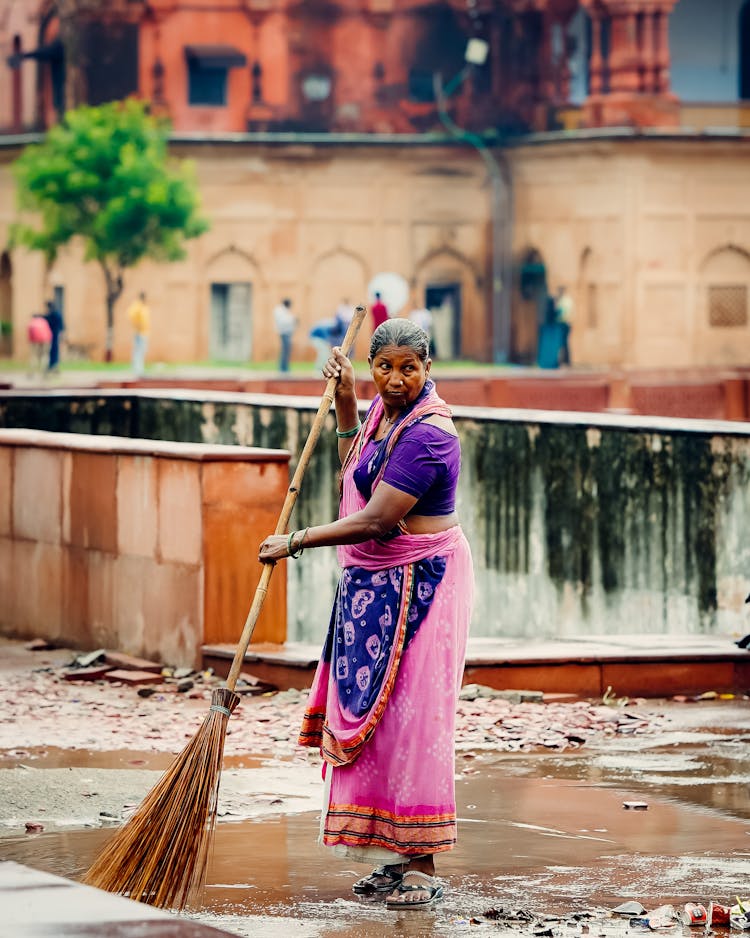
{"x":140,"y":320}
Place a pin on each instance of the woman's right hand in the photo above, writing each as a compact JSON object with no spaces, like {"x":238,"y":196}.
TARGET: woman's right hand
{"x":338,"y":366}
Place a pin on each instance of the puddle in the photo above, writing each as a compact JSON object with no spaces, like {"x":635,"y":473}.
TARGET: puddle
{"x":53,"y":758}
{"x":545,"y":832}
{"x":549,"y":844}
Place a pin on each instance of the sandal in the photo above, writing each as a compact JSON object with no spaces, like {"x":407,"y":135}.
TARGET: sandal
{"x":382,"y":879}
{"x":428,"y":884}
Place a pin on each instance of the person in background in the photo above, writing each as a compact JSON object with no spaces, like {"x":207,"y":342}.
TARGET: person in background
{"x":39,"y":335}
{"x":321,"y":336}
{"x":379,"y":311}
{"x":423,"y":318}
{"x":139,"y":316}
{"x":285,"y":322}
{"x":564,"y":316}
{"x":343,"y":316}
{"x":383,"y":701}
{"x":56,"y":324}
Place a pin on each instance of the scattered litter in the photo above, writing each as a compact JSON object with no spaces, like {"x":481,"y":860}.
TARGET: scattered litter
{"x":125,"y":676}
{"x":718,"y":914}
{"x":34,"y":827}
{"x":118,"y":659}
{"x":40,"y":644}
{"x":86,"y":660}
{"x":665,"y":916}
{"x":124,"y":714}
{"x":635,"y":805}
{"x":482,"y":692}
{"x":250,"y":684}
{"x":94,"y":673}
{"x":629,"y":908}
{"x":694,"y":914}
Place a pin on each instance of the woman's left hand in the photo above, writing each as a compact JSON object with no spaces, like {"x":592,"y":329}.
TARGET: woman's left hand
{"x":273,"y":548}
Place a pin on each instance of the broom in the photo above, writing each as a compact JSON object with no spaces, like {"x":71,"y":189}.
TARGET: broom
{"x":160,"y":855}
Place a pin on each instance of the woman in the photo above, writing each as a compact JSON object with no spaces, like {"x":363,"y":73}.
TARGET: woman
{"x":382,"y":703}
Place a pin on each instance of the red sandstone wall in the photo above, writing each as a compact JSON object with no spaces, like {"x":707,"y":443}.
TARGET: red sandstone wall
{"x":712,"y":396}
{"x":149,"y":548}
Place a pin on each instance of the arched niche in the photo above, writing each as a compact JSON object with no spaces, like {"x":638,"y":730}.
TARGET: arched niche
{"x":587,"y":291}
{"x":237,"y":315}
{"x":725,"y":276}
{"x":449,"y":285}
{"x":722,"y":308}
{"x":337,"y":276}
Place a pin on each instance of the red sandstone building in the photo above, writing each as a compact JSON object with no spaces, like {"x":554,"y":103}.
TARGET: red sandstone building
{"x":486,"y":151}
{"x":349,"y":66}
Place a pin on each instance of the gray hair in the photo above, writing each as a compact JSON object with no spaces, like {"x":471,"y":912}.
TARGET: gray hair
{"x":401,"y":332}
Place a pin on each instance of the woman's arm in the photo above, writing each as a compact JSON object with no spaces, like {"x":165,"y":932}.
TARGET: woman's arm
{"x":380,"y":515}
{"x":345,"y":400}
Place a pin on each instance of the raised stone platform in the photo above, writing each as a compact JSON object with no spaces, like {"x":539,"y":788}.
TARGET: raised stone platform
{"x":40,"y":905}
{"x":632,"y":665}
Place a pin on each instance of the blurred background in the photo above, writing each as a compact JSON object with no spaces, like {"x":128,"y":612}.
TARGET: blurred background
{"x":483,"y":153}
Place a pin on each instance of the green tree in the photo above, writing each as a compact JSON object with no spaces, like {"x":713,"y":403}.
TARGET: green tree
{"x":103,"y":175}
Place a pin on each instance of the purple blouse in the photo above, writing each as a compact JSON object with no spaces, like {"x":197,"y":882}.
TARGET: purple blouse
{"x":425,"y":463}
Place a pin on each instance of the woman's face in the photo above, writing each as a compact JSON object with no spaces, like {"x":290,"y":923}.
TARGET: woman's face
{"x":399,"y":375}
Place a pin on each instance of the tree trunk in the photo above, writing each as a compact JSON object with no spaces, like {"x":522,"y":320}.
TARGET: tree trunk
{"x":113,"y":279}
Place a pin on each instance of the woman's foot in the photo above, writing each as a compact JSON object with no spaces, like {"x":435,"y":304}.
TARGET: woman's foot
{"x":382,"y":879}
{"x":415,"y":891}
{"x":418,"y":886}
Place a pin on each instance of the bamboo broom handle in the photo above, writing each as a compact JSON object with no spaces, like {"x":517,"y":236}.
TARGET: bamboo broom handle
{"x":291,"y":498}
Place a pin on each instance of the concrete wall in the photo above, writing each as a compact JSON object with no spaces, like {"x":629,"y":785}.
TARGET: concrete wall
{"x":315,"y":224}
{"x":640,"y":231}
{"x":140,"y":546}
{"x":579,"y":523}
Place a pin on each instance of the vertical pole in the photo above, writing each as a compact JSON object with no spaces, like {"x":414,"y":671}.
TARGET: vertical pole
{"x":501,"y":225}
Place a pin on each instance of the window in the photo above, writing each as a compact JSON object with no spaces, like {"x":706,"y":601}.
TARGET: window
{"x":744,"y":32}
{"x":421,"y":86}
{"x":207,"y":73}
{"x":207,"y":85}
{"x":727,"y":306}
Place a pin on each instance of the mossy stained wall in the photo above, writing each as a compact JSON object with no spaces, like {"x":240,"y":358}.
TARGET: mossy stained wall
{"x":577,"y":527}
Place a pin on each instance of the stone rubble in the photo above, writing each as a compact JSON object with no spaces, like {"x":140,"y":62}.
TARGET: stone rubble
{"x":43,"y":708}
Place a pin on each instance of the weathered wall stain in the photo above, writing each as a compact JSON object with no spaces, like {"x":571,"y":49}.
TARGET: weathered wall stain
{"x":577,"y":526}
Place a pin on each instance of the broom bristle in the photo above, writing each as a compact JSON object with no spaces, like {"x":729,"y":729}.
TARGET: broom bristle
{"x":159,"y":856}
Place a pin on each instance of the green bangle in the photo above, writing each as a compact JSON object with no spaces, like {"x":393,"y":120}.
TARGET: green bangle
{"x":298,"y":553}
{"x":345,"y":434}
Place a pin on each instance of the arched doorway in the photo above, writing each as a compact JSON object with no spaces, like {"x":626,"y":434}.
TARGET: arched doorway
{"x":744,"y":56}
{"x":449,"y":284}
{"x":338,"y":277}
{"x":6,"y":305}
{"x":232,"y":279}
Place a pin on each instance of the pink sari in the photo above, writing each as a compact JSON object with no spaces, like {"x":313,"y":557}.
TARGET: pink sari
{"x":392,"y":766}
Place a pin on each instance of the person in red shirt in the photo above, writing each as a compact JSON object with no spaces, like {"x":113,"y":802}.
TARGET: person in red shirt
{"x":379,"y":312}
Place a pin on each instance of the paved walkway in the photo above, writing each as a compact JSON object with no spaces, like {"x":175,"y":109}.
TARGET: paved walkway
{"x":40,"y":905}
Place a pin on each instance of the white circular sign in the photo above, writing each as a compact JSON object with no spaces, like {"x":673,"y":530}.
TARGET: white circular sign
{"x":393,"y":290}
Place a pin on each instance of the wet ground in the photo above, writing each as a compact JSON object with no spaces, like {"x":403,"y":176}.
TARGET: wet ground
{"x":543,"y":831}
